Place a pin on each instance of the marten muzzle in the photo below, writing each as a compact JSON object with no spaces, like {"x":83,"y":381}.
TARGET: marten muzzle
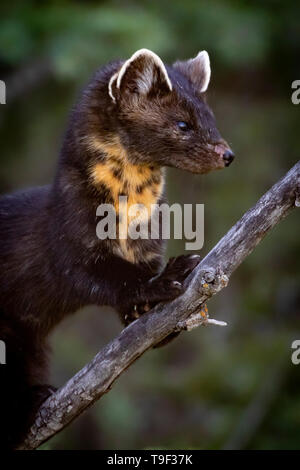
{"x":228,"y":157}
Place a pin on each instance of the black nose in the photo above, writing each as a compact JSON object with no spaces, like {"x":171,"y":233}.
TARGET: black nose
{"x":228,"y":157}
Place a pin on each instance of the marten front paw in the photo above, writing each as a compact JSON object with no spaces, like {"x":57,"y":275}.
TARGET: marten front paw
{"x":180,"y":267}
{"x":136,"y":311}
{"x":165,"y":287}
{"x":169,"y":284}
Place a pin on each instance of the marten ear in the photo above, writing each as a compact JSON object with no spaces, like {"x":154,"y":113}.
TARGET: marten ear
{"x":143,"y":73}
{"x":197,"y":70}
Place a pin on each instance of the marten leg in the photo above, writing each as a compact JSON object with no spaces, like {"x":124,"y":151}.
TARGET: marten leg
{"x":166,"y":286}
{"x":21,"y":380}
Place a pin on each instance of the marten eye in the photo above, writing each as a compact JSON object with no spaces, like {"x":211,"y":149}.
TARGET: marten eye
{"x":183,"y":126}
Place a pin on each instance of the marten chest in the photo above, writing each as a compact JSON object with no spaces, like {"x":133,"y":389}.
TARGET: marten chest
{"x":133,"y":190}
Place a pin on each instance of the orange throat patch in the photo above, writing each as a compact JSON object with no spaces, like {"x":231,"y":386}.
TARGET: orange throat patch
{"x":141,"y":185}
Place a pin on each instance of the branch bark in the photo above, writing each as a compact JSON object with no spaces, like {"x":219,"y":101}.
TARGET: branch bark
{"x":210,"y":276}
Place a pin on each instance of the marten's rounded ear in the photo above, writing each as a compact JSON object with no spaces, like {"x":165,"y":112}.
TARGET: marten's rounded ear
{"x":143,"y":73}
{"x":197,"y":70}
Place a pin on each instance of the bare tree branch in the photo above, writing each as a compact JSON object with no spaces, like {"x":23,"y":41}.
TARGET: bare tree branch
{"x":210,"y":276}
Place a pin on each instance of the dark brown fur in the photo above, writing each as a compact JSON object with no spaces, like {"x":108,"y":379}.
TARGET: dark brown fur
{"x":52,"y":262}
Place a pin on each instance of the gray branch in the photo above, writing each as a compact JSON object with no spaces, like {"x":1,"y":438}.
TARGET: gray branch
{"x":211,"y":275}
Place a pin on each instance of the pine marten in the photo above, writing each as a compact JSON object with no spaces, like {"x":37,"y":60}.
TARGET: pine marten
{"x":134,"y":118}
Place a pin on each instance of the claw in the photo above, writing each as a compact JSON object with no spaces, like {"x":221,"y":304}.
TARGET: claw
{"x":135,"y":313}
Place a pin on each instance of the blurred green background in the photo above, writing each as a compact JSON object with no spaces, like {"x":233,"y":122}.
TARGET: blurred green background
{"x":214,"y":388}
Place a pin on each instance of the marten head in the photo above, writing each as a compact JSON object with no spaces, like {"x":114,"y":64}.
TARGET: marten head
{"x":161,"y":116}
